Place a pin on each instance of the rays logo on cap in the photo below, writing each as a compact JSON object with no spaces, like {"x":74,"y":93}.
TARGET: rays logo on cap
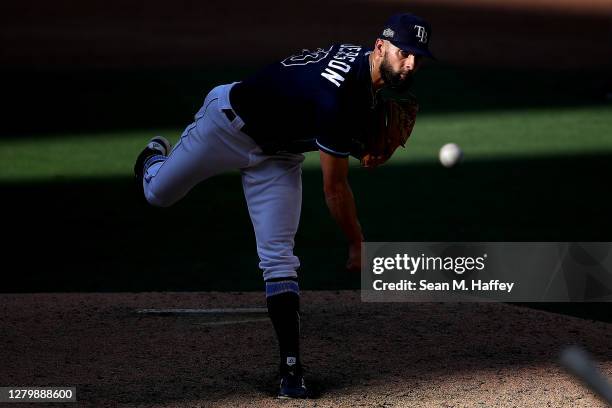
{"x":389,"y":33}
{"x":421,"y":33}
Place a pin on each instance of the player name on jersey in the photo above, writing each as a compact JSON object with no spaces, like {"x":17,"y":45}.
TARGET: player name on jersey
{"x":338,"y":64}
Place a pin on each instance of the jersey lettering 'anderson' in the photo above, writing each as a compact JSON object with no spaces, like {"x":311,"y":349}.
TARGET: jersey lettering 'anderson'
{"x":316,"y":99}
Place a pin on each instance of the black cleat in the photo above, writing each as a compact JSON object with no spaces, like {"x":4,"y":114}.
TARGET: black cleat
{"x":159,"y":145}
{"x":292,"y":385}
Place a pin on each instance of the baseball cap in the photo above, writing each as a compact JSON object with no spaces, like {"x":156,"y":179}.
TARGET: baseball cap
{"x":408,"y":32}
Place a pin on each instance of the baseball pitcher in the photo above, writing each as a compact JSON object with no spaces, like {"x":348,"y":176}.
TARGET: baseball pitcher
{"x":341,"y":100}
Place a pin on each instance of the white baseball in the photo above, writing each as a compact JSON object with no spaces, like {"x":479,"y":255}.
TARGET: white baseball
{"x":450,"y":154}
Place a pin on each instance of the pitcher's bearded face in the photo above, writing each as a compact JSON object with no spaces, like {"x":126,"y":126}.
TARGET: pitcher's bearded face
{"x":397,"y":78}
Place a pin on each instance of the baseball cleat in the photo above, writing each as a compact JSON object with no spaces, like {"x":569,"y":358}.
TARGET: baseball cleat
{"x":292,"y":386}
{"x":158,"y":145}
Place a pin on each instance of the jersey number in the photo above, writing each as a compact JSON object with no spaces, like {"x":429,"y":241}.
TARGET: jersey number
{"x":306,"y":57}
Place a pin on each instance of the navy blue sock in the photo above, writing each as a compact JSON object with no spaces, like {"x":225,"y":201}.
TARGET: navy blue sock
{"x":283,"y":300}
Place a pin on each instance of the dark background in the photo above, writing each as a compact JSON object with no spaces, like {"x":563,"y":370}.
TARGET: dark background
{"x":81,"y":66}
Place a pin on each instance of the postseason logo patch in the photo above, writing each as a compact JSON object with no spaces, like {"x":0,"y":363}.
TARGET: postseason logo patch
{"x":389,"y":33}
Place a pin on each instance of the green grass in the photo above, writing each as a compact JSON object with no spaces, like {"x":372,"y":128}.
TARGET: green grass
{"x":538,"y":155}
{"x":529,"y":133}
{"x":76,"y":223}
{"x":482,"y":135}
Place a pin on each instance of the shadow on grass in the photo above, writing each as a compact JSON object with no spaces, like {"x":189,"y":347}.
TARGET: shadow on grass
{"x":98,"y":235}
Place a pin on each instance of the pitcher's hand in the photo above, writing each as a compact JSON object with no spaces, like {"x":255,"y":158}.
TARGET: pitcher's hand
{"x":354,"y":259}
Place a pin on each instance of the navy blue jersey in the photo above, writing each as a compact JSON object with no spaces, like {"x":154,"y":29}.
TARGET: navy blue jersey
{"x":319,"y":99}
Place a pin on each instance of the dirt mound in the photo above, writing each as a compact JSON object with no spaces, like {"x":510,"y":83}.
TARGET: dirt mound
{"x":358,"y":354}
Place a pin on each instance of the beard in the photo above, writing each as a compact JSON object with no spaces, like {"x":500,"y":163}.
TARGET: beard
{"x":393,"y":78}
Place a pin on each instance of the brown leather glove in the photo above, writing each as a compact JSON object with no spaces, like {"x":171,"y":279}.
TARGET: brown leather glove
{"x":395,"y":114}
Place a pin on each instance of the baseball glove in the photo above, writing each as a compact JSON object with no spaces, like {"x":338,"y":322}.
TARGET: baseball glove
{"x":393,"y":120}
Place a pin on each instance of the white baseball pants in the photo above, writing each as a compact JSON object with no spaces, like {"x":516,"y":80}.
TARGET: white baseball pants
{"x":272,"y":183}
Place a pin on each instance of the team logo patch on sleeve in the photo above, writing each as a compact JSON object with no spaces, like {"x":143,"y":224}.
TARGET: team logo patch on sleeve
{"x":306,"y":57}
